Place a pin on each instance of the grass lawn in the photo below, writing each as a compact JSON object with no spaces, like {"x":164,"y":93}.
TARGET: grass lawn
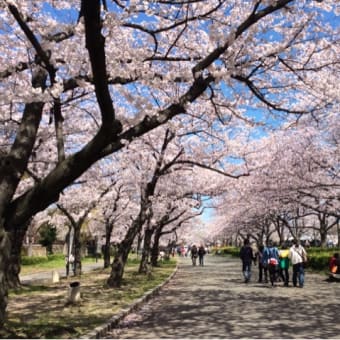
{"x":41,"y":264}
{"x":43,"y":312}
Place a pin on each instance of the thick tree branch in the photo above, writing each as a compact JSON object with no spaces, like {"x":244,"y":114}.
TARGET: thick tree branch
{"x":95,"y":44}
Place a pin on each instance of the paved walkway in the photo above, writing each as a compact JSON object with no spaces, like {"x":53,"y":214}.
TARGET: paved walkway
{"x":213,"y":302}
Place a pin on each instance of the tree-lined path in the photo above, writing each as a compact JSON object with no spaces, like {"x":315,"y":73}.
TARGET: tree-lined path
{"x":128,"y":115}
{"x":213,"y":302}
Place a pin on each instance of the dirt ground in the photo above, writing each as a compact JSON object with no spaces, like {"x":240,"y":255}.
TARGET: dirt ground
{"x":43,"y":311}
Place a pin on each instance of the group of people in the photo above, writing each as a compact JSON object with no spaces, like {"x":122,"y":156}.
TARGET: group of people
{"x":197,"y":253}
{"x":275,"y":263}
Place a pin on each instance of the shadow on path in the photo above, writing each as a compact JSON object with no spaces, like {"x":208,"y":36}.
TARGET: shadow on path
{"x":213,"y":302}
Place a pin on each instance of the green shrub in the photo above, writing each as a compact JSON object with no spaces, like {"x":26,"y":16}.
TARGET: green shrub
{"x":56,"y":257}
{"x":48,"y":235}
{"x":318,"y":258}
{"x":133,"y":260}
{"x":35,"y":260}
{"x":226,"y":250}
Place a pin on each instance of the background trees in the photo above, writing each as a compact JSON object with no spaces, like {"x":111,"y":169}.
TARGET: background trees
{"x":294,"y":184}
{"x":48,"y":235}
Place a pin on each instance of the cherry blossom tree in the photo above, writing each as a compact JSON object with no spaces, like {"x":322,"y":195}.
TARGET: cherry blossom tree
{"x":306,"y":172}
{"x":112,"y":209}
{"x":166,"y":221}
{"x":143,"y":64}
{"x":77,"y":215}
{"x":148,"y":185}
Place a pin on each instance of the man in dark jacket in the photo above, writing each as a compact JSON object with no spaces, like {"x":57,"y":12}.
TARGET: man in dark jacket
{"x":201,"y":253}
{"x":246,"y":255}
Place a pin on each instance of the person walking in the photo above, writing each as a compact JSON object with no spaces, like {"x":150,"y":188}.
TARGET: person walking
{"x":284,"y":265}
{"x":194,"y":254}
{"x":263,"y":271}
{"x":246,"y":255}
{"x":271,"y":258}
{"x":298,"y":256}
{"x":201,"y":253}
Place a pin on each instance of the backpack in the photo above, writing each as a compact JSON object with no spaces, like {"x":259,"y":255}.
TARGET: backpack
{"x":201,"y":251}
{"x":194,"y":251}
{"x":265,"y":256}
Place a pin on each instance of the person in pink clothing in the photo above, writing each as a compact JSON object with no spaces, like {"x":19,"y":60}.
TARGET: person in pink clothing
{"x":334,"y":264}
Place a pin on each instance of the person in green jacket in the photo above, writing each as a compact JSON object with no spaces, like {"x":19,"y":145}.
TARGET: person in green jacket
{"x":284,"y":265}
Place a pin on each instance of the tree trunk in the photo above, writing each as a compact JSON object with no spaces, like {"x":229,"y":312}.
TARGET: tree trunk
{"x":155,"y":248}
{"x":118,"y":265}
{"x":107,"y":247}
{"x":12,"y":167}
{"x":145,"y":212}
{"x":323,"y":229}
{"x":280,"y":230}
{"x":4,"y":262}
{"x":323,"y":237}
{"x":139,"y":243}
{"x":77,"y":250}
{"x":14,"y":265}
{"x":143,"y":267}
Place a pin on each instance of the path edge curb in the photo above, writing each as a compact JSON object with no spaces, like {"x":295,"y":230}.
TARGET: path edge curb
{"x":100,"y":331}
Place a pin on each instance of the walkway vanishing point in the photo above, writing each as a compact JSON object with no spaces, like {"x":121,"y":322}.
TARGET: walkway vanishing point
{"x":212,"y":302}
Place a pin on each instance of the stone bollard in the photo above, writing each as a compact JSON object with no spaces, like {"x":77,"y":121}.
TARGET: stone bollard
{"x":74,"y":293}
{"x":55,"y":276}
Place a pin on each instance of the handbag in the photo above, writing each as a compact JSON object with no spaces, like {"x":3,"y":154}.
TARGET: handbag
{"x":304,"y":257}
{"x":273,"y":261}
